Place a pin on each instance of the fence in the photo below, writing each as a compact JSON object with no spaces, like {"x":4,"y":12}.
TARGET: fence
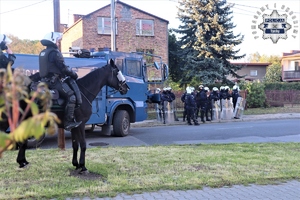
{"x":274,"y":98}
{"x":281,"y":98}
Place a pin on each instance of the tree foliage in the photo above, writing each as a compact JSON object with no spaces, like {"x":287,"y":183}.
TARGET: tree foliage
{"x":25,"y":46}
{"x":207,"y":41}
{"x":175,"y":61}
{"x":274,"y":73}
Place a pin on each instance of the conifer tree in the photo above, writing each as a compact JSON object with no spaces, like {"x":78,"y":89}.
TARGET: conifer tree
{"x":207,"y":40}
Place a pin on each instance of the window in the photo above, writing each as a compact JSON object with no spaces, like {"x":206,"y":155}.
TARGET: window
{"x":253,"y":72}
{"x":297,"y":66}
{"x":144,"y":27}
{"x":119,"y":64}
{"x":133,"y":68}
{"x":104,"y":25}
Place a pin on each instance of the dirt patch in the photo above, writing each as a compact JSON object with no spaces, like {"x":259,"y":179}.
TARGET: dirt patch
{"x":86,"y":175}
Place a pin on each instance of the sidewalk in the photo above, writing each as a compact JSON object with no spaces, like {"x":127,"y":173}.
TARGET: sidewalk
{"x":283,"y":191}
{"x":155,"y":122}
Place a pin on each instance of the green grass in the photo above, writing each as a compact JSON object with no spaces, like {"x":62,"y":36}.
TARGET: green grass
{"x":139,"y":169}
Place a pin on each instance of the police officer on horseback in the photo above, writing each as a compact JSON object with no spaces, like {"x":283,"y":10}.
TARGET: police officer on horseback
{"x":4,"y":60}
{"x":58,"y":76}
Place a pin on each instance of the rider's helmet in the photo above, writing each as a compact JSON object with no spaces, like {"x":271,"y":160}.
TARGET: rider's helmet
{"x":4,"y":41}
{"x":51,"y":38}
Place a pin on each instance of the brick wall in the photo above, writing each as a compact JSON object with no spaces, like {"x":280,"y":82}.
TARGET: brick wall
{"x":126,"y":39}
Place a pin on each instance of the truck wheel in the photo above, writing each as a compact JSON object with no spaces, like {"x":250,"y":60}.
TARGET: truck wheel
{"x":34,"y":143}
{"x":121,"y":123}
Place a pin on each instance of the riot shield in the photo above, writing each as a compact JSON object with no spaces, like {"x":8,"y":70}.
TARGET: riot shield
{"x":159,"y":112}
{"x":216,"y":109}
{"x":227,"y":109}
{"x":239,"y":108}
{"x":169,"y":112}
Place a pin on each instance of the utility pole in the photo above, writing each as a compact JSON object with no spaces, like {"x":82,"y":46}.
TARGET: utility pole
{"x":113,"y":25}
{"x":61,"y":141}
{"x":56,"y":9}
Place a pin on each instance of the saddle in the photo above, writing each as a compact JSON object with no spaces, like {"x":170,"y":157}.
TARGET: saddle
{"x":57,"y":101}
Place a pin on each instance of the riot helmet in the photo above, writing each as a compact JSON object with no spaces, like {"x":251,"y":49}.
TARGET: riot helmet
{"x":157,"y":90}
{"x":188,"y":90}
{"x":206,"y":89}
{"x":226,"y":88}
{"x":4,"y":41}
{"x":235,"y":87}
{"x":215,"y":89}
{"x":51,"y":38}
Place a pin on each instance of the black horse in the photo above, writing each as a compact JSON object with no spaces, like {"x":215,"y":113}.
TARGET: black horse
{"x":89,"y":85}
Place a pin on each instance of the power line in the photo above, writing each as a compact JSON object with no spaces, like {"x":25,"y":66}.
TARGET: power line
{"x":253,"y":6}
{"x":22,"y":7}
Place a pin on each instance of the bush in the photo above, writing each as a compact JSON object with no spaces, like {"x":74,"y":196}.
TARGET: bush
{"x":282,"y":86}
{"x":256,"y":96}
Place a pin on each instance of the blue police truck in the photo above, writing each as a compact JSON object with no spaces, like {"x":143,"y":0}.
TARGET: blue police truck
{"x":111,"y":109}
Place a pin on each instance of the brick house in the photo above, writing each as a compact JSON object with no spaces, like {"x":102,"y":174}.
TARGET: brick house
{"x":290,"y":63}
{"x":252,"y":71}
{"x":136,"y":30}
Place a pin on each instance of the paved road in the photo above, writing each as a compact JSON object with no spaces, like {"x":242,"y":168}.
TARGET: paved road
{"x":282,"y":191}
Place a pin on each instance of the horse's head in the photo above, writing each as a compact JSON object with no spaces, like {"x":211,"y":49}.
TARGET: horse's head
{"x":117,"y":79}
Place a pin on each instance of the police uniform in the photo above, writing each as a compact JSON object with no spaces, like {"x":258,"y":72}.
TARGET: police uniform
{"x":10,"y":58}
{"x":53,"y":71}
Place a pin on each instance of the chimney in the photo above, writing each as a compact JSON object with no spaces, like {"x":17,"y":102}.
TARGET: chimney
{"x":76,"y":17}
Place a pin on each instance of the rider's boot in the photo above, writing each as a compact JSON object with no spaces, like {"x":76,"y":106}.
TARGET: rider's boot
{"x":70,"y":122}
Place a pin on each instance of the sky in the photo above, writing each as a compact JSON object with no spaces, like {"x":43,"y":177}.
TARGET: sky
{"x":32,"y":19}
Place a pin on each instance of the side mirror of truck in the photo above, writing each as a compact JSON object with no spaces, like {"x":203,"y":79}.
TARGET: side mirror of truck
{"x":165,"y":71}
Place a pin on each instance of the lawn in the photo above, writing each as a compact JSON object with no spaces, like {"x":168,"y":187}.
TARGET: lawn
{"x":137,"y":169}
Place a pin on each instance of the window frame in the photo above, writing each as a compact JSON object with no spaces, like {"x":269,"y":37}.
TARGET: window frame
{"x":251,"y":72}
{"x":102,"y":30}
{"x":139,"y":27}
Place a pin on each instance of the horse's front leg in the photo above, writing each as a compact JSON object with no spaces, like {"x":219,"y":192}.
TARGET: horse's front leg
{"x":75,"y":147}
{"x":21,"y":159}
{"x":82,"y":142}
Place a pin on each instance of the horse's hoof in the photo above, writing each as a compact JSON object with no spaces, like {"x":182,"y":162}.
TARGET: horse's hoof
{"x":24,"y":165}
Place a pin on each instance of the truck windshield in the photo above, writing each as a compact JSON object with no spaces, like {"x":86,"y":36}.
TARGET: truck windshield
{"x":133,"y":68}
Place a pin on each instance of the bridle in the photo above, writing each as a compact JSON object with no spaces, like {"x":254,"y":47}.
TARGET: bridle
{"x":122,"y":82}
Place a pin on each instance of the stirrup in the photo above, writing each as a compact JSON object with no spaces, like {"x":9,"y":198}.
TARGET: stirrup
{"x":72,"y":124}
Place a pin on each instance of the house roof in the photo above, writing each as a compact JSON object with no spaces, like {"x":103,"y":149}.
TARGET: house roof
{"x":253,"y":64}
{"x":85,"y":16}
{"x":291,"y":55}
